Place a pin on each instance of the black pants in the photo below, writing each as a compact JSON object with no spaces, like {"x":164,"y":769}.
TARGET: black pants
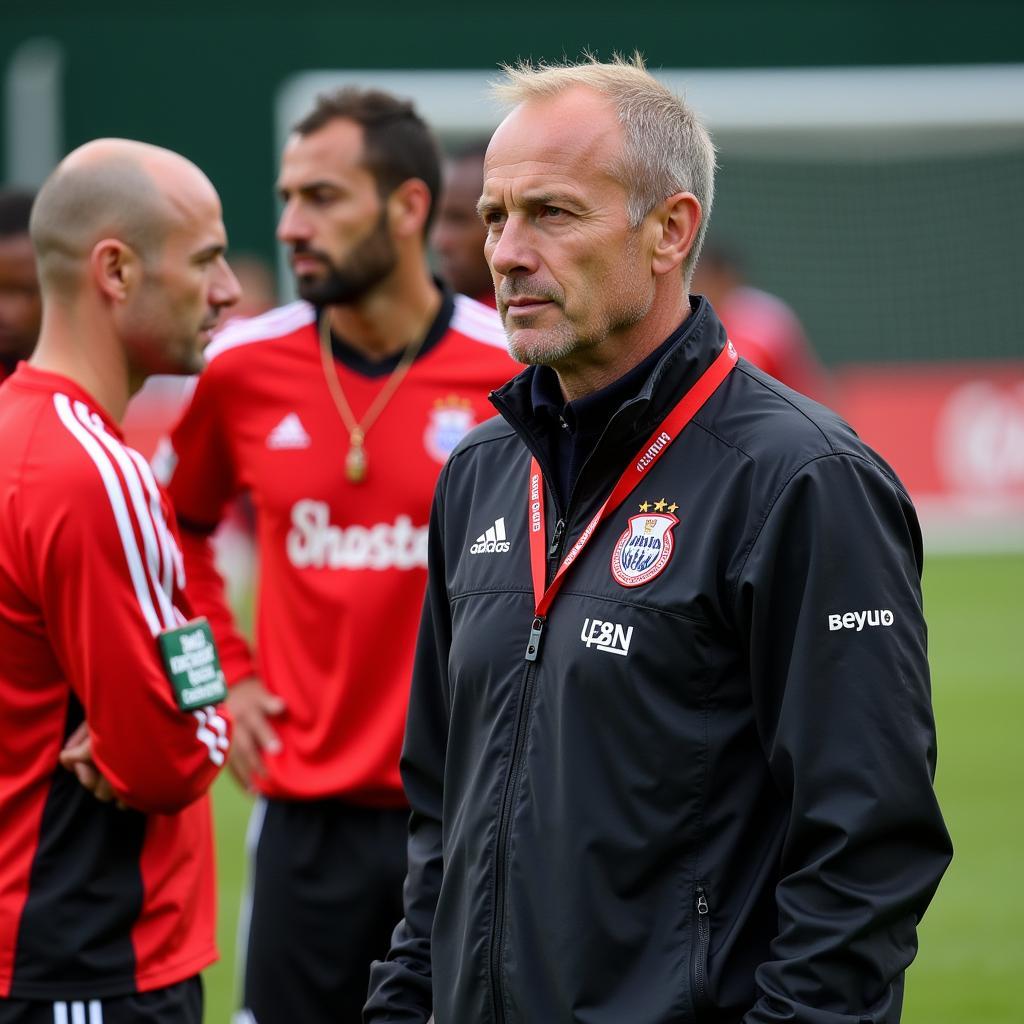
{"x":176,"y":1004}
{"x":326,"y":882}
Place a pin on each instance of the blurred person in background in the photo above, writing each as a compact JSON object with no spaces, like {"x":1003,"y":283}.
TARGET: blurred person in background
{"x":258,"y":284}
{"x":459,"y":234}
{"x":20,"y":308}
{"x":763,"y":328}
{"x":107,"y":899}
{"x":336,"y":414}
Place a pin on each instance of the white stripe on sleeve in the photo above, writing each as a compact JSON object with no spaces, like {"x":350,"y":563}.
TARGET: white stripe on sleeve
{"x":95,"y":1012}
{"x":219,"y":726}
{"x":167,"y":545}
{"x":129,"y":472}
{"x":60,"y":1013}
{"x":78,"y":1013}
{"x":206,"y":735}
{"x":115,"y":495}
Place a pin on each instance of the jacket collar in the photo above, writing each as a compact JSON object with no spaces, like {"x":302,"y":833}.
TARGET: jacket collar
{"x":687,"y":354}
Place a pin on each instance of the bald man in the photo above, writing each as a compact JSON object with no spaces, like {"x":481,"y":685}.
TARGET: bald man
{"x":108,"y":685}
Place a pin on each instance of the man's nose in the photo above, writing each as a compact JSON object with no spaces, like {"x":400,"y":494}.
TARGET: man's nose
{"x":226,"y":291}
{"x":293,"y":226}
{"x":514,"y":251}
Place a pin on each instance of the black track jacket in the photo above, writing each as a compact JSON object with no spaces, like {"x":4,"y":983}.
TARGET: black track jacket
{"x":710,"y":797}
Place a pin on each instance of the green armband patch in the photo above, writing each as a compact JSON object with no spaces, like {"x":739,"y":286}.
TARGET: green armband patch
{"x":192,"y":665}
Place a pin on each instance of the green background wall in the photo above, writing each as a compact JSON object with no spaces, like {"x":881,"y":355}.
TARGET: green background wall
{"x":201,"y":77}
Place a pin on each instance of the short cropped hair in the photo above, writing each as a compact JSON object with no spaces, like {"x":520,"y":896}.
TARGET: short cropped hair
{"x":397,"y":144}
{"x":15,"y":210}
{"x":666,"y":147}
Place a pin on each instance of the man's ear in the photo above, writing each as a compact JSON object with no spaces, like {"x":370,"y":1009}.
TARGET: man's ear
{"x":408,"y":208}
{"x":678,"y":219}
{"x":115,"y":268}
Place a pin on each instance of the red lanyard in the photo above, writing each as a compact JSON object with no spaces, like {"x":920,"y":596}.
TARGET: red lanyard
{"x":654,"y":447}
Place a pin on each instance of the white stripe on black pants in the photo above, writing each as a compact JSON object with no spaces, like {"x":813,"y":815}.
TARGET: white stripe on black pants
{"x":75,"y":1012}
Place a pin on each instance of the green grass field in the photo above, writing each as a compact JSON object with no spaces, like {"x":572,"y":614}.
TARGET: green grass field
{"x":972,"y":958}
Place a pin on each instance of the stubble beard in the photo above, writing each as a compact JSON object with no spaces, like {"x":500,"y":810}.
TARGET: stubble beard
{"x":564,"y":340}
{"x":186,"y":358}
{"x":527,"y":343}
{"x":543,"y":347}
{"x":156,"y":339}
{"x":558,"y":344}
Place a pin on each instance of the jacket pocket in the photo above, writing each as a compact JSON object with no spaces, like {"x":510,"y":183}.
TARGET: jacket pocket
{"x":701,"y":943}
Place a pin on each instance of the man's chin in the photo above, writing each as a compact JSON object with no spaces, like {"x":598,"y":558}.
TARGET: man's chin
{"x":191,"y":362}
{"x":539,"y":347}
{"x":321,"y":292}
{"x":307,"y":285}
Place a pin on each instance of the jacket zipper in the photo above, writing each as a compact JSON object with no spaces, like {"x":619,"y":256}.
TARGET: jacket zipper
{"x":699,"y":958}
{"x":558,"y":533}
{"x":511,"y":785}
{"x":501,"y":841}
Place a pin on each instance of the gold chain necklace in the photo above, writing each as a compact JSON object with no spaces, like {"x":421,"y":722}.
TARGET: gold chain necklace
{"x":355,"y":460}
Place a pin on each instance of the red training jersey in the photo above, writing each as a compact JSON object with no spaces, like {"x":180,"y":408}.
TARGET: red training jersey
{"x":94,"y":901}
{"x":342,"y":565}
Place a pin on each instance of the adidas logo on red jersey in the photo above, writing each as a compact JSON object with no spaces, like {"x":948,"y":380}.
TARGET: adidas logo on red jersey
{"x":289,"y":433}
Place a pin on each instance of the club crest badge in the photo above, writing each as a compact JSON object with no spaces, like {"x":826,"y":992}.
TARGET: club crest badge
{"x":450,"y":420}
{"x":645,"y":547}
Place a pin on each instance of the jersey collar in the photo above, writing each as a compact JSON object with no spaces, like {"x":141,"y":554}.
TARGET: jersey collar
{"x":34,"y":379}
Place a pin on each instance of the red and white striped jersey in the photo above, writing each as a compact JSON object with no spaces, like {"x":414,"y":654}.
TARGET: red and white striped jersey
{"x":94,"y":901}
{"x":342,"y":565}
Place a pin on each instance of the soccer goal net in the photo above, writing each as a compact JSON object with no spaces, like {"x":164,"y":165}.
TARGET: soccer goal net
{"x":886,"y":205}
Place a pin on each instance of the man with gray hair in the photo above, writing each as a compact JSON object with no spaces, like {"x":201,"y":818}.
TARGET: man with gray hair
{"x":109,"y":687}
{"x":670,"y":745}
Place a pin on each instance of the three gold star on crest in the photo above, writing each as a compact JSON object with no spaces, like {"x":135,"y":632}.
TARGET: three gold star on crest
{"x":659,"y":506}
